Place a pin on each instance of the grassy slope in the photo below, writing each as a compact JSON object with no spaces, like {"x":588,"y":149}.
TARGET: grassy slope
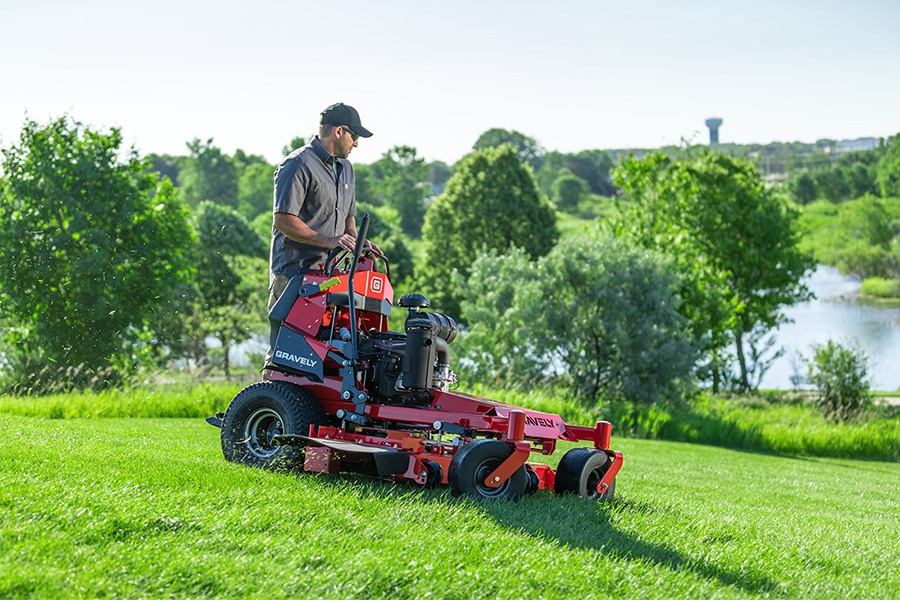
{"x":148,"y":507}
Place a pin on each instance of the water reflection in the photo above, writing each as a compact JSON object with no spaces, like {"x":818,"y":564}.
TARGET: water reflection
{"x":837,"y":314}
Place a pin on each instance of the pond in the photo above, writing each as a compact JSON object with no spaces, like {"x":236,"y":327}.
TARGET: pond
{"x":838,"y":314}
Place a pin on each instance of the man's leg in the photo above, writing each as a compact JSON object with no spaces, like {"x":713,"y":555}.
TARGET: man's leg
{"x":277,"y":284}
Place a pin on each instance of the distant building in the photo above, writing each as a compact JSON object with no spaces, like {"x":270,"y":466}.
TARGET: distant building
{"x":857,"y":145}
{"x":713,"y":125}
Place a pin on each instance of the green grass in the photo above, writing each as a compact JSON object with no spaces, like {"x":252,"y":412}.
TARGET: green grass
{"x":779,"y":423}
{"x":172,"y":400}
{"x":782,"y":423}
{"x":148,"y":508}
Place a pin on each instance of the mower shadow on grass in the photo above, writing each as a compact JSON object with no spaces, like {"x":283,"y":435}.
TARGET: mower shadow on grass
{"x":592,"y":526}
{"x":570,"y":521}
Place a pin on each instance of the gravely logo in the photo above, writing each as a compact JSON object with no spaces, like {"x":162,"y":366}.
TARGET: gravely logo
{"x":538,"y":421}
{"x":300,"y":360}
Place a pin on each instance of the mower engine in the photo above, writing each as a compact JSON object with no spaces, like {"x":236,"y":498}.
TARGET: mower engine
{"x":406,"y":367}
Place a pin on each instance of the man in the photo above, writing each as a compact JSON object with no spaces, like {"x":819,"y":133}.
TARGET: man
{"x":315,"y":202}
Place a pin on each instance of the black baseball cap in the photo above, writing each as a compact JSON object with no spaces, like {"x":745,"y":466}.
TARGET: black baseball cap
{"x":344,"y":114}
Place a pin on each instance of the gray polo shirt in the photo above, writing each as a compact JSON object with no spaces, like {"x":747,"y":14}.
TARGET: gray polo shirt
{"x":306,"y":186}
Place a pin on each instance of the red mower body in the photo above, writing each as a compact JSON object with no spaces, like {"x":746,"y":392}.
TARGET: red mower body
{"x":345,"y":394}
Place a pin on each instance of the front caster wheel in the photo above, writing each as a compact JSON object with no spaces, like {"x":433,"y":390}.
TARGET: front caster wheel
{"x":474,"y":462}
{"x":580,"y":471}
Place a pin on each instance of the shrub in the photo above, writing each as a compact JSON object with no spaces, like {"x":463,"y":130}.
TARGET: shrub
{"x":879,"y":287}
{"x":841,"y":376}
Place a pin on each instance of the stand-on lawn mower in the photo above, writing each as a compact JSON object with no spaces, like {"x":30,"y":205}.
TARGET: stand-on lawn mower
{"x":346,"y":394}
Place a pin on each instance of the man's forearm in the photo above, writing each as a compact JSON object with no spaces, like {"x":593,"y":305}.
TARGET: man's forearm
{"x":296,"y":229}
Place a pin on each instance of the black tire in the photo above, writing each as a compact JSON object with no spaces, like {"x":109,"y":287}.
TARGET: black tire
{"x":579,"y":472}
{"x":534,"y":482}
{"x":435,"y":474}
{"x":261,"y":411}
{"x":474,"y":462}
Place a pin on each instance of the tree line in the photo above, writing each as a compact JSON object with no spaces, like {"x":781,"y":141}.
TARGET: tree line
{"x":108,"y":264}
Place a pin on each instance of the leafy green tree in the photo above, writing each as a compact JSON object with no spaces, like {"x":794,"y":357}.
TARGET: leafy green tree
{"x":297,"y":142}
{"x":498,"y":346}
{"x":209,"y":174}
{"x":866,"y":232}
{"x":656,"y":193}
{"x":166,"y":165}
{"x":384,"y":230}
{"x":734,"y":241}
{"x":860,"y":179}
{"x":255,"y":190}
{"x":368,"y":178}
{"x":491,"y":202}
{"x":404,"y":186}
{"x":528,"y":149}
{"x":438,"y":174}
{"x":255,"y":182}
{"x":231,"y":276}
{"x":554,"y":163}
{"x":91,"y":243}
{"x":595,"y":313}
{"x":888,"y":169}
{"x":804,"y":188}
{"x":594,"y":167}
{"x":831,"y":184}
{"x":569,"y":190}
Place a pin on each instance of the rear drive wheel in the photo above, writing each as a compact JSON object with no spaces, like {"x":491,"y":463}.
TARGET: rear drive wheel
{"x":579,"y":472}
{"x":474,"y":462}
{"x":260,"y":412}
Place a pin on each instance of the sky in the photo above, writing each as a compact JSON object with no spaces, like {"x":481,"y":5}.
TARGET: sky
{"x":572,"y":74}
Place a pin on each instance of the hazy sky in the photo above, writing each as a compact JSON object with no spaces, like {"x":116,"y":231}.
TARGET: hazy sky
{"x":572,"y":74}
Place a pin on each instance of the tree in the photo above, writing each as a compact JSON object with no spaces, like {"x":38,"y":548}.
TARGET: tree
{"x":592,"y":166}
{"x":209,"y":174}
{"x":569,"y":190}
{"x":296,"y":142}
{"x":888,"y":169}
{"x":831,"y":183}
{"x":438,"y":174}
{"x":91,"y":243}
{"x":384,"y":230}
{"x":491,"y":202}
{"x":595,"y":313}
{"x":404,"y":186}
{"x":734,"y":241}
{"x":367,"y":178}
{"x":865,"y":232}
{"x":231,"y":276}
{"x":528,"y":149}
{"x":804,"y":188}
{"x":255,"y":190}
{"x":166,"y":166}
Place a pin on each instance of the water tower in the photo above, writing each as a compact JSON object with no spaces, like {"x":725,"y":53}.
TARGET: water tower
{"x":713,"y":125}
